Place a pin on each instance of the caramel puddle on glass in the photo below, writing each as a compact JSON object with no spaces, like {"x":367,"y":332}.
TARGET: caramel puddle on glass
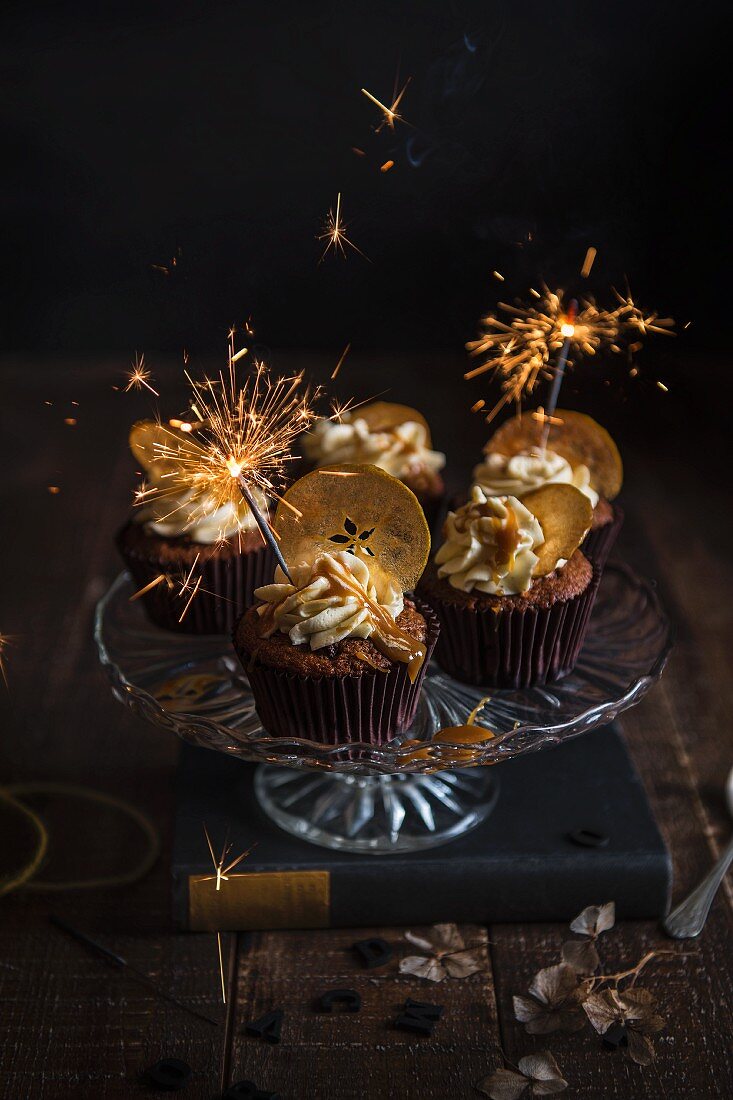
{"x":469,"y":734}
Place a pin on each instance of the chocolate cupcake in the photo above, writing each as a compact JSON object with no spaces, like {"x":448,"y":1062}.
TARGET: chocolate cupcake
{"x":196,"y":559}
{"x":512,"y":592}
{"x":336,"y":652}
{"x":577,"y":451}
{"x":395,"y":438}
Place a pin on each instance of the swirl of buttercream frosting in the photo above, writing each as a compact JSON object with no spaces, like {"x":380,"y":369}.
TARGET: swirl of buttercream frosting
{"x":402,"y":451}
{"x":195,"y":514}
{"x":334,"y":597}
{"x":489,"y":545}
{"x":515,"y":475}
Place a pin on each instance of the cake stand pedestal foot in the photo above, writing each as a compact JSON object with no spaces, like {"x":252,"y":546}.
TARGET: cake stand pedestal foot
{"x":376,"y":814}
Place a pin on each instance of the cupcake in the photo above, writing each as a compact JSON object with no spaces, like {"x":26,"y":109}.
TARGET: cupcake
{"x":195,"y":558}
{"x":578,"y":452}
{"x":510,"y":587}
{"x":336,"y":652}
{"x":393,"y":437}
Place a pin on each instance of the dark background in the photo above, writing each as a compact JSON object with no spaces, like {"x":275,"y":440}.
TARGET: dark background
{"x":220,"y":133}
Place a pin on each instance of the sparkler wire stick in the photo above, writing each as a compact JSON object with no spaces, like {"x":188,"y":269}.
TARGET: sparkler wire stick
{"x":263,"y":525}
{"x":120,"y":963}
{"x":568,"y":331}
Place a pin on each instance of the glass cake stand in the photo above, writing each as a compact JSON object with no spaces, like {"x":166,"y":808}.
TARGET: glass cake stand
{"x":392,"y":797}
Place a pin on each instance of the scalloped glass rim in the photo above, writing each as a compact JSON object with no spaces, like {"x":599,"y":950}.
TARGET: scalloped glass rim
{"x":625,"y":652}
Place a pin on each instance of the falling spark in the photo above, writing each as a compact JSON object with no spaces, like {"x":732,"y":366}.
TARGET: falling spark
{"x":478,"y":405}
{"x":222,"y":867}
{"x":338,"y":366}
{"x":588,"y":262}
{"x":139,"y":376}
{"x":387,"y":165}
{"x":333,"y":233}
{"x":70,"y":421}
{"x":169,"y":268}
{"x":148,"y":587}
{"x":54,"y":489}
{"x":520,"y":351}
{"x":498,"y":275}
{"x":391,"y":113}
{"x":663,"y":387}
{"x":687,"y":324}
{"x":545,"y":418}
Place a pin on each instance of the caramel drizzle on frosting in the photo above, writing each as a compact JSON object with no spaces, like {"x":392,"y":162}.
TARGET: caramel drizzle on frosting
{"x":506,"y":531}
{"x":393,"y":643}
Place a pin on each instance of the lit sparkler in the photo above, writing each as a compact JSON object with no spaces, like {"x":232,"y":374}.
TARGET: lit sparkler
{"x":139,"y":376}
{"x":334,"y":234}
{"x":521,"y":350}
{"x":236,"y":444}
{"x":391,"y":114}
{"x":340,"y":363}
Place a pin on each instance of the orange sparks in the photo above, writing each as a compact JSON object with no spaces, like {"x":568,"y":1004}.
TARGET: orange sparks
{"x":498,"y":275}
{"x":139,"y":376}
{"x":387,"y":165}
{"x":520,"y":343}
{"x":222,"y":869}
{"x":338,"y":366}
{"x":54,"y":489}
{"x":665,"y":389}
{"x":478,"y":405}
{"x":70,"y":421}
{"x":588,"y":262}
{"x":542,"y":418}
{"x":148,"y":587}
{"x":334,"y":234}
{"x":359,"y":152}
{"x":391,"y":113}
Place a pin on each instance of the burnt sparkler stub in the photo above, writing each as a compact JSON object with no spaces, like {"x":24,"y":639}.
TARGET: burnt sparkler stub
{"x":577,"y":438}
{"x":358,"y":508}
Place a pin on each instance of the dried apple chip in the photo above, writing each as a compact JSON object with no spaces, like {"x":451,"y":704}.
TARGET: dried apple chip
{"x":154,"y":446}
{"x":385,"y":416}
{"x":358,"y":508}
{"x":579,"y":439}
{"x":565,"y":515}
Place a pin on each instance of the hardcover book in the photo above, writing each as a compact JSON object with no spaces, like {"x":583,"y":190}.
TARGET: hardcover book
{"x":571,"y":827}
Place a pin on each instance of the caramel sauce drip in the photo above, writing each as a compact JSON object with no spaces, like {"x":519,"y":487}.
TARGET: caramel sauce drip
{"x":393,"y":643}
{"x":506,"y":532}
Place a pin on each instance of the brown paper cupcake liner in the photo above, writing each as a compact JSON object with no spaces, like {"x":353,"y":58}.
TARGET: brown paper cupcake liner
{"x":509,"y":648}
{"x":226,"y":589}
{"x":372,"y":707}
{"x":599,"y":541}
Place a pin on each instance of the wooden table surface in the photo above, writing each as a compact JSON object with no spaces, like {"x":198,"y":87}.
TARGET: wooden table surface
{"x":71,"y":1027}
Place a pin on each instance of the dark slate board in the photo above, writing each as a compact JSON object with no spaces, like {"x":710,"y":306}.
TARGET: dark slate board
{"x":518,"y":865}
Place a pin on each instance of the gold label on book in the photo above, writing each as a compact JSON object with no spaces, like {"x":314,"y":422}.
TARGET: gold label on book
{"x":260,"y":900}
